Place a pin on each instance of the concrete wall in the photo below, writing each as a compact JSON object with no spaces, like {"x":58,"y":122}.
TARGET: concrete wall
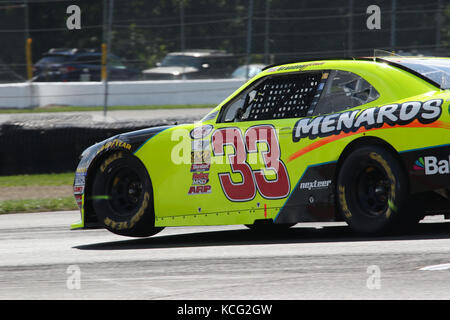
{"x":129,"y":93}
{"x":18,"y":95}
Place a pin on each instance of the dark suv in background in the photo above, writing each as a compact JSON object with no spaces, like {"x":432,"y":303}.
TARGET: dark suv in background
{"x":193,"y":64}
{"x":79,"y":65}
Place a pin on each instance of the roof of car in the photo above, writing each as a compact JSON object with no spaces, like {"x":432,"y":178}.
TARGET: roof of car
{"x":386,"y":59}
{"x":200,"y":53}
{"x":392,"y":60}
{"x":70,"y":51}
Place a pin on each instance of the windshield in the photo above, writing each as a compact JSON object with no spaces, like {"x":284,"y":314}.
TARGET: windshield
{"x":436,"y":69}
{"x":241,"y":72}
{"x":53,"y":59}
{"x":180,"y":61}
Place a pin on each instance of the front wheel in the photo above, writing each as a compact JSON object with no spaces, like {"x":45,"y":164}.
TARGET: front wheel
{"x":372,"y":192}
{"x":122,"y":196}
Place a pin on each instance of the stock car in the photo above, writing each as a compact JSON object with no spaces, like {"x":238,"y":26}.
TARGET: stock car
{"x":362,"y":140}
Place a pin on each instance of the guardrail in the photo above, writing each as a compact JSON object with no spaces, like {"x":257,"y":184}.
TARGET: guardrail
{"x":54,"y":149}
{"x":124,"y":93}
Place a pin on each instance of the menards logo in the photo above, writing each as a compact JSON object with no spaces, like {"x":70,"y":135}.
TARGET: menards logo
{"x":432,"y":165}
{"x":375,"y":117}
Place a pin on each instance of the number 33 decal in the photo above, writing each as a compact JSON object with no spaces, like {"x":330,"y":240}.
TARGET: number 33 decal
{"x":252,"y":180}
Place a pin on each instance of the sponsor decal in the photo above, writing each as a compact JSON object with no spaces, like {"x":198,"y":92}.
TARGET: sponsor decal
{"x":432,"y":165}
{"x":375,"y":117}
{"x":81,"y":169}
{"x":200,"y":178}
{"x":79,"y":200}
{"x":200,"y":167}
{"x":78,"y":189}
{"x":200,"y":145}
{"x":198,"y":157}
{"x":201,"y":132}
{"x":419,"y":164}
{"x":80,"y":178}
{"x":200,"y":161}
{"x":199,"y":190}
{"x":299,"y":66}
{"x":116,"y":143}
{"x":314,"y":185}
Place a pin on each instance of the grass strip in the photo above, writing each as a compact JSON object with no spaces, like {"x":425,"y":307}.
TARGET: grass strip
{"x":52,"y":179}
{"x":37,"y":205}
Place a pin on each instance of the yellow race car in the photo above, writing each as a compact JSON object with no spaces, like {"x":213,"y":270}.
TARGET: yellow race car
{"x":362,"y":140}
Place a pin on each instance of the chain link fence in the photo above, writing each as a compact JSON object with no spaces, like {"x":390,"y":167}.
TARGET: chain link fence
{"x":187,"y":39}
{"x":46,"y":42}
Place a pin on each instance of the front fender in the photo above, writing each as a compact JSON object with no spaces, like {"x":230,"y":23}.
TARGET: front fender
{"x":89,"y":160}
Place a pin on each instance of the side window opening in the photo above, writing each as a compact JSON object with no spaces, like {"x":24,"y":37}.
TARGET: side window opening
{"x":276,"y":98}
{"x":344,"y":90}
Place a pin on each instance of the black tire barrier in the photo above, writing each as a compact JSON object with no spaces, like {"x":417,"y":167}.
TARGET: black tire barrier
{"x":32,"y":148}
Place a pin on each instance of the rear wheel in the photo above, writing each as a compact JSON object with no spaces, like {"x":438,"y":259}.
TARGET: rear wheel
{"x":373,"y":192}
{"x":122,"y":196}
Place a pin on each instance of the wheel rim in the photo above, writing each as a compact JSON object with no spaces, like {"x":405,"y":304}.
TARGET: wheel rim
{"x":372,"y":189}
{"x":126,"y":190}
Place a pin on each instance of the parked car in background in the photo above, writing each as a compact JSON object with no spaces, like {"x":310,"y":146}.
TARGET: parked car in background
{"x":247,"y":71}
{"x":193,"y":64}
{"x":79,"y":65}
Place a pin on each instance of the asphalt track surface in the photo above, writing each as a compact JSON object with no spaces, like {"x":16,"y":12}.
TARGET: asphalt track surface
{"x":40,"y":258}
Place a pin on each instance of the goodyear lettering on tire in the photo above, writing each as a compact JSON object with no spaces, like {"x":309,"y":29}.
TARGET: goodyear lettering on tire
{"x":132,"y":222}
{"x":110,"y":159}
{"x":347,"y":213}
{"x":387,"y":168}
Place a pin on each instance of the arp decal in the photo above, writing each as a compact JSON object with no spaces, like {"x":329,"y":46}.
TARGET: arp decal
{"x":199,"y":190}
{"x":252,"y":180}
{"x":350,"y":121}
{"x":432,"y":165}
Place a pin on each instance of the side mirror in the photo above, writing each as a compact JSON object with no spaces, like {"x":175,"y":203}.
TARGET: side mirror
{"x":158,"y":64}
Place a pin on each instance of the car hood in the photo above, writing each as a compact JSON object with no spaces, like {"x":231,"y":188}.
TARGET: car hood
{"x":171,"y":70}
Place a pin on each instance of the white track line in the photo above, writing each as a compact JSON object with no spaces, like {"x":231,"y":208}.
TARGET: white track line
{"x":437,"y":267}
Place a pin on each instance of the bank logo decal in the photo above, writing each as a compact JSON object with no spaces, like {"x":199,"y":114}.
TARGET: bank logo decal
{"x":432,"y":165}
{"x":419,"y":165}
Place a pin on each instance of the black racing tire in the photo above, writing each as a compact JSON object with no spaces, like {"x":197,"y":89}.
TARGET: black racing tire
{"x":373,"y":192}
{"x":122,"y":196}
{"x":265,"y":226}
